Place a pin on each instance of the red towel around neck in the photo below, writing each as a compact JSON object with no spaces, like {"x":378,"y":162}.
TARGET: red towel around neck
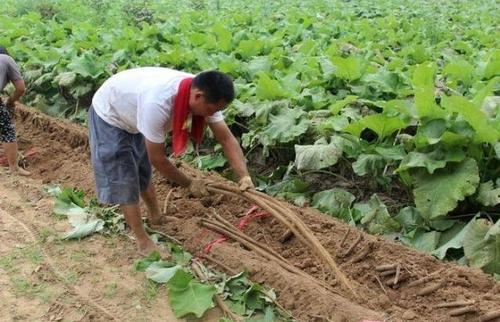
{"x":180,"y":133}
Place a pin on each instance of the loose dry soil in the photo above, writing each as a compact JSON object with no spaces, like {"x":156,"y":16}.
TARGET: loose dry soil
{"x":95,"y":275}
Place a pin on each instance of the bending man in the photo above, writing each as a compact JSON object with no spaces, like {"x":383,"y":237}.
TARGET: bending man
{"x":130,"y":116}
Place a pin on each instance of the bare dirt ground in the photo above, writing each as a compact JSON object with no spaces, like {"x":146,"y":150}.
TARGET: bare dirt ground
{"x":101,"y":268}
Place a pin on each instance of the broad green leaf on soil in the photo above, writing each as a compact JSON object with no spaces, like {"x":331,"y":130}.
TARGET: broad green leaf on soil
{"x":376,"y":217}
{"x":210,"y":162}
{"x":187,"y":296}
{"x":488,"y":195}
{"x":142,"y":264}
{"x":224,"y":37}
{"x":161,"y":274}
{"x":284,"y":127}
{"x":318,"y":156}
{"x":179,"y":255}
{"x":86,"y":65}
{"x":63,"y":208}
{"x":409,"y":219}
{"x":368,"y":164}
{"x":269,"y":89}
{"x":288,"y":185}
{"x":333,"y":201}
{"x":379,"y":123}
{"x":65,"y":79}
{"x":485,"y":91}
{"x":437,"y":194}
{"x":424,"y":160}
{"x":85,"y":229}
{"x":396,"y":152}
{"x":339,"y":105}
{"x":424,"y":241}
{"x":474,"y":116}
{"x":350,"y":68}
{"x":452,"y":238}
{"x":433,"y":130}
{"x":423,"y":85}
{"x":460,"y":70}
{"x":482,"y":245}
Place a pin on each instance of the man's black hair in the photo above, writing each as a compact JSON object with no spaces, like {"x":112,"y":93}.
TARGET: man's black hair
{"x":3,"y":50}
{"x":215,"y":85}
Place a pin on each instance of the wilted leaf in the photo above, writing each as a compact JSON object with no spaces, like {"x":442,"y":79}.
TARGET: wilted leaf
{"x":161,"y":274}
{"x":85,"y":229}
{"x":317,"y":156}
{"x":482,"y":245}
{"x":487,"y":195}
{"x":333,"y":201}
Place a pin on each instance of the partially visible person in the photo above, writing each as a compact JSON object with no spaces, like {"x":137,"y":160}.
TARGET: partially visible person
{"x":9,"y":72}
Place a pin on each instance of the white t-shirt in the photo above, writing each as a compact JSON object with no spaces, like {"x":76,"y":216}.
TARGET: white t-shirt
{"x":141,"y":100}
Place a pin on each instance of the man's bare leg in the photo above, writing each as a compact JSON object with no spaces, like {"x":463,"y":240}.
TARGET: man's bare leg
{"x":149,"y":197}
{"x":10,"y":149}
{"x":133,"y":218}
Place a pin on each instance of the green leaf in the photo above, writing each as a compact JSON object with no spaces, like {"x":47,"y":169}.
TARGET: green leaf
{"x":410,"y":219}
{"x":433,"y":130}
{"x":86,"y":66}
{"x":379,"y":123}
{"x":284,"y":127}
{"x":474,"y":116}
{"x":85,"y":229}
{"x":269,"y":89}
{"x":350,"y":68}
{"x":161,"y":274}
{"x":424,"y":241}
{"x":452,"y":238}
{"x":65,"y":79}
{"x":487,"y":195}
{"x":396,"y":152}
{"x":339,"y":105}
{"x":317,"y":156}
{"x":142,"y":264}
{"x":210,"y":162}
{"x":189,"y":296}
{"x":482,"y":245}
{"x":376,"y":217}
{"x":421,"y":160}
{"x":368,"y":164}
{"x":333,"y":201}
{"x":437,"y":194}
{"x":423,"y":85}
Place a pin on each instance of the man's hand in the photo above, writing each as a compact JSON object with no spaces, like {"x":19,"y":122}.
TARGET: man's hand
{"x":198,"y":188}
{"x":245,"y":183}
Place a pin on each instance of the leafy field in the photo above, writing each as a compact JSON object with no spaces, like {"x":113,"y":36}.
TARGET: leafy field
{"x":382,"y":113}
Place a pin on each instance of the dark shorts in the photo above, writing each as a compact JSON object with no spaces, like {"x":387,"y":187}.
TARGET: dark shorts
{"x":121,"y":166}
{"x":7,"y":129}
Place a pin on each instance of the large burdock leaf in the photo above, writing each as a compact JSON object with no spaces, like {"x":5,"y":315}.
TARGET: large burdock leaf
{"x":86,"y":65}
{"x":317,"y":156}
{"x":482,"y":245}
{"x":188,"y":296}
{"x":376,"y":217}
{"x":452,"y":238}
{"x":488,"y":196}
{"x":269,"y":89}
{"x":368,"y":164}
{"x":423,"y":85}
{"x":431,"y":161}
{"x":65,"y":79}
{"x":284,"y":127}
{"x":379,"y":123}
{"x":333,"y":201}
{"x":424,"y":241}
{"x":474,"y":116}
{"x":437,"y":194}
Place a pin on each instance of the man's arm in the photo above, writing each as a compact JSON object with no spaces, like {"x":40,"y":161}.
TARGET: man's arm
{"x":156,"y":154}
{"x":231,"y":147}
{"x":20,"y":88}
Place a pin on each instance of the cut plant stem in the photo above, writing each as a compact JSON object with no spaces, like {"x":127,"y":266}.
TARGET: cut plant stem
{"x":387,"y":267}
{"x":398,"y":272}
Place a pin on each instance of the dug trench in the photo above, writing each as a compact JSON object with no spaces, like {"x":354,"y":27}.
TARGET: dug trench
{"x":390,"y":282}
